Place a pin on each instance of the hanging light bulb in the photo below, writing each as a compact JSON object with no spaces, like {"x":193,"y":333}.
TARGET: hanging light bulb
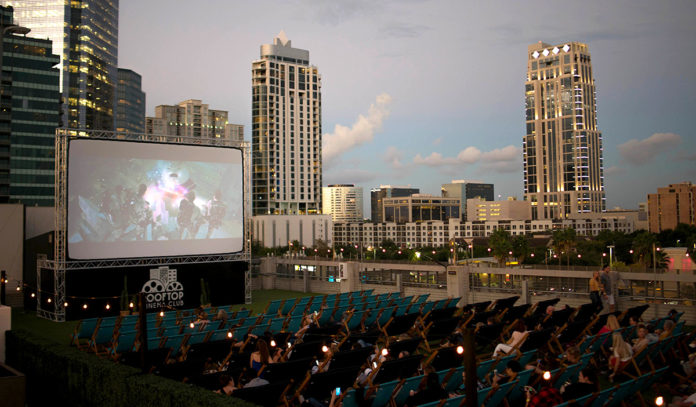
{"x":84,"y":306}
{"x":48,"y":300}
{"x":65,"y":304}
{"x":161,"y":313}
{"x":108,"y":306}
{"x":33,"y":295}
{"x":460,"y":350}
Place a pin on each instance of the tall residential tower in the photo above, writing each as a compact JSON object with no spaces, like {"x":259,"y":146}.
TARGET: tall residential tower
{"x":85,"y":34}
{"x":562,"y":149}
{"x":286,"y":131}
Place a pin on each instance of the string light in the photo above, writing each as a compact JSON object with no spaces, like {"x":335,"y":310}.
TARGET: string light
{"x":65,"y":304}
{"x":385,"y":352}
{"x":229,"y":334}
{"x":130,"y":305}
{"x":324,"y":348}
{"x":49,"y":300}
{"x":460,"y":350}
{"x":108,"y":306}
{"x":659,"y":401}
{"x":547,"y":375}
{"x":161,"y":314}
{"x":84,"y":306}
{"x":273,"y":343}
{"x":33,"y":295}
{"x":192,"y":325}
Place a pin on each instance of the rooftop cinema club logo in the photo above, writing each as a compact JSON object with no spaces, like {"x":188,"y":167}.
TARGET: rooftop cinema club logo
{"x":163,"y":289}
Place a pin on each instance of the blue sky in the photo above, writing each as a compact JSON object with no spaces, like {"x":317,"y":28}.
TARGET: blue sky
{"x":422,"y":92}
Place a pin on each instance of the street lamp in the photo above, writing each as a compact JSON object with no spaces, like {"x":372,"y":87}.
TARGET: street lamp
{"x":611,"y":255}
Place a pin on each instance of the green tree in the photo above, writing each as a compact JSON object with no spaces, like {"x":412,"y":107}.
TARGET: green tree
{"x":564,"y":241}
{"x":520,"y":248}
{"x":501,"y":245}
{"x":643,"y":245}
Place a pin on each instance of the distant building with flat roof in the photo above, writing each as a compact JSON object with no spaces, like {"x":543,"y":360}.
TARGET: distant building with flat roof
{"x":377,"y":195}
{"x":344,"y":202}
{"x":481,"y":210}
{"x":419,"y":208}
{"x":671,"y":206}
{"x":465,"y":190}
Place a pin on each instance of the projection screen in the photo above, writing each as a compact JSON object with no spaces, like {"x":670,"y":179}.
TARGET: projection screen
{"x":136,"y":199}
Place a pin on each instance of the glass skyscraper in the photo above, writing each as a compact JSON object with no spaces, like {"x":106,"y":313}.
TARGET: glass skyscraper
{"x":30,"y":111}
{"x":562,"y":148}
{"x":286,"y":131}
{"x":130,"y":102}
{"x":85,"y":35}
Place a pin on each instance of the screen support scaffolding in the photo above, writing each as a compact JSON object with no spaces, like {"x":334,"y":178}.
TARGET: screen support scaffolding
{"x":55,"y":309}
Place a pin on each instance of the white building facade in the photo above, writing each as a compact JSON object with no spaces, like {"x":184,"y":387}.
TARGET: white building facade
{"x":344,"y":202}
{"x":281,"y":230}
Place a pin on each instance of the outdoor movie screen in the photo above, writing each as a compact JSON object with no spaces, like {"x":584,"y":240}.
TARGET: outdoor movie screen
{"x":135,"y":199}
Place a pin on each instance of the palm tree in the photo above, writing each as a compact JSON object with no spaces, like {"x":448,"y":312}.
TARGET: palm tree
{"x":564,"y":240}
{"x":520,"y":248}
{"x":501,"y":245}
{"x":643,"y":247}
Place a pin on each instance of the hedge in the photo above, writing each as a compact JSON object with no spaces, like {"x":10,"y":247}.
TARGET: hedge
{"x":61,"y":375}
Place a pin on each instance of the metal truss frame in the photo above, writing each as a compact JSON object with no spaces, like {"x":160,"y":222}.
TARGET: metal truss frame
{"x":60,"y":264}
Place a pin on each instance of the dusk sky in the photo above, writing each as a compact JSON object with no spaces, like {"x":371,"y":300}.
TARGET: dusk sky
{"x":422,"y":92}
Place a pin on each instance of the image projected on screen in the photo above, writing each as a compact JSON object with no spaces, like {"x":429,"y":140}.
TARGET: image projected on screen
{"x":128,"y":199}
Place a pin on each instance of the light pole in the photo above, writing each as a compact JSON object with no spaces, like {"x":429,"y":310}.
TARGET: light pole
{"x":611,"y":255}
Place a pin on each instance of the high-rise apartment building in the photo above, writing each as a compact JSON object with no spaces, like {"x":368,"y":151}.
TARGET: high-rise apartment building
{"x":29,"y":115}
{"x":467,"y":190}
{"x":562,"y":148}
{"x":286,"y":131}
{"x":377,"y":196}
{"x":85,"y":34}
{"x":671,"y":206}
{"x":130,"y":102}
{"x":344,"y":202}
{"x":191,"y":118}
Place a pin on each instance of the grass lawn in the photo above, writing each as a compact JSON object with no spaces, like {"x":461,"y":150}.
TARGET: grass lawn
{"x":61,"y":332}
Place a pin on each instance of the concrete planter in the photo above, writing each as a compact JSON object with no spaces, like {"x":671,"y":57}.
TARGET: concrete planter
{"x":13,"y":386}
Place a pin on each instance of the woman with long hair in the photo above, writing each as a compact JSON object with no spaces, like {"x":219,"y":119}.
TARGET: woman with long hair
{"x":261,"y":356}
{"x":622,"y":354}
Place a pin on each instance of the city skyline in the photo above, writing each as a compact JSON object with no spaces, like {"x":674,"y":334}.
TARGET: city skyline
{"x":421,"y":93}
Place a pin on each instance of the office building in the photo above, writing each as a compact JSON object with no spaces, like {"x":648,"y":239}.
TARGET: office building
{"x":30,"y":113}
{"x":377,"y":196}
{"x":286,"y":131}
{"x":344,"y":202}
{"x":562,"y":148}
{"x":420,"y":208}
{"x":130,"y":102}
{"x":671,"y":206}
{"x":85,"y":35}
{"x":465,"y":190}
{"x":190,"y":119}
{"x":510,"y":209}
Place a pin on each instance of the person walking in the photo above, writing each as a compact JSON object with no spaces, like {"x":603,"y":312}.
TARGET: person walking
{"x":595,"y":289}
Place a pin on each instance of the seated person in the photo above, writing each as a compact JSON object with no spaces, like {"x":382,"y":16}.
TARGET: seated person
{"x":432,"y":391}
{"x":226,"y":385}
{"x":512,"y":368}
{"x":641,"y":341}
{"x":611,"y":325}
{"x":587,"y":383}
{"x":516,"y":339}
{"x":667,"y":329}
{"x":622,"y":354}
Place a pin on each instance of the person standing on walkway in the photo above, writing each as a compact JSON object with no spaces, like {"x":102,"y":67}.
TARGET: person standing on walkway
{"x":595,"y":290}
{"x":608,"y":284}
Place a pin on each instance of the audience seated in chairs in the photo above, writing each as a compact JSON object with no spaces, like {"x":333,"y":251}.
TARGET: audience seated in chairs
{"x":516,"y":339}
{"x":587,"y":383}
{"x":431,"y":391}
{"x":622,"y":353}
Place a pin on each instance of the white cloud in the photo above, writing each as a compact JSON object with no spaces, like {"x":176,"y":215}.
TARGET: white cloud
{"x":363,"y":130}
{"x":469,"y":155}
{"x":614,"y":170}
{"x":506,"y":159}
{"x":393,"y":156}
{"x":639,"y":152}
{"x":434,"y":160}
